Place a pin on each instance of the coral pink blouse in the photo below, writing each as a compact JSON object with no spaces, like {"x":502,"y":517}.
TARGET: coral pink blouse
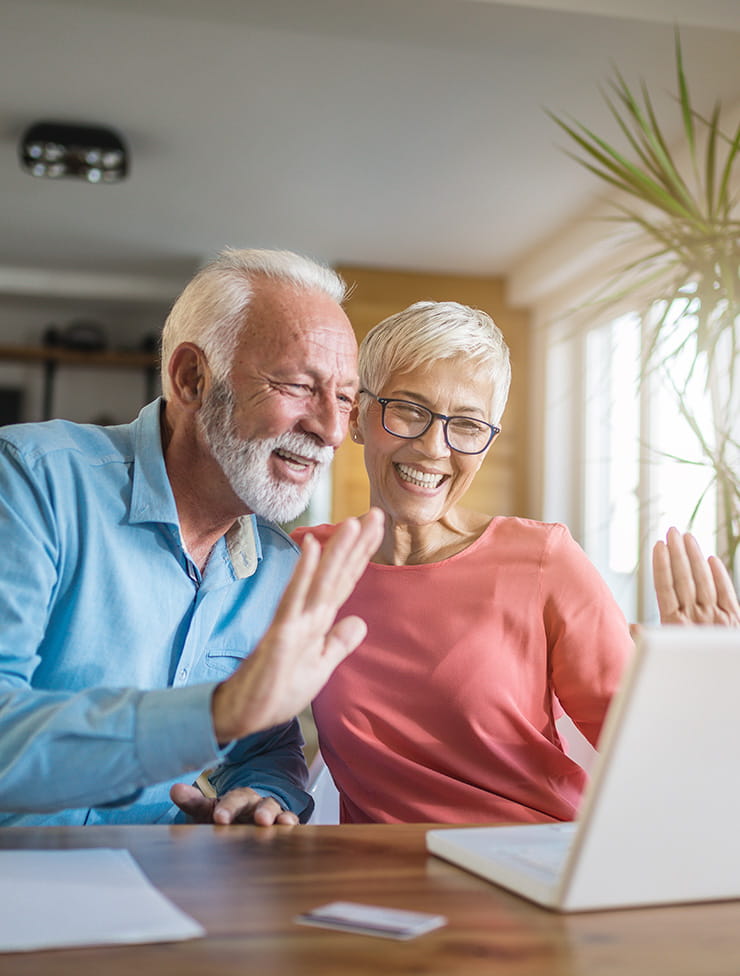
{"x":446,"y":713}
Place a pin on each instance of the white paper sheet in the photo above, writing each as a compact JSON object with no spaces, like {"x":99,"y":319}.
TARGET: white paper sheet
{"x":92,"y":896}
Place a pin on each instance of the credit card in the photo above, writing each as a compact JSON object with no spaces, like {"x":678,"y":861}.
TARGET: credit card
{"x":389,"y":923}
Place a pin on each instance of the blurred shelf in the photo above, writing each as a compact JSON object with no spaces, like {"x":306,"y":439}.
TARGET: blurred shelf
{"x":51,"y":357}
{"x":100,"y":358}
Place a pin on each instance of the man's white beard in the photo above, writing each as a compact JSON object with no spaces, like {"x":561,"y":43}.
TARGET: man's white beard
{"x":246,"y":462}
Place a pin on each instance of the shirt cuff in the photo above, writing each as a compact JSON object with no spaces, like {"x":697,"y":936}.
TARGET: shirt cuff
{"x":174,"y":731}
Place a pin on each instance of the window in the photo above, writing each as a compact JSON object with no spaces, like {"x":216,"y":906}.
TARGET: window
{"x":634,"y":465}
{"x":611,"y":473}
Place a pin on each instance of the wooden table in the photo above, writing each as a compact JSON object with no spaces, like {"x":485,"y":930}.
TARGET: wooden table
{"x":245,"y":884}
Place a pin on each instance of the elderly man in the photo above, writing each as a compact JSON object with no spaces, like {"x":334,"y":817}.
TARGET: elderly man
{"x":144,"y":632}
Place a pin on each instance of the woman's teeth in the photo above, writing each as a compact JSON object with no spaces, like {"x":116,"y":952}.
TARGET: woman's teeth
{"x":420,"y":478}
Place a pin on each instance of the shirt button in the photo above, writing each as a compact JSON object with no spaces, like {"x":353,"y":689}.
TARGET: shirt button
{"x":183,"y":673}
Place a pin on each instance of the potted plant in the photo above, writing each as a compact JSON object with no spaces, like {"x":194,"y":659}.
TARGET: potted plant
{"x":679,"y":208}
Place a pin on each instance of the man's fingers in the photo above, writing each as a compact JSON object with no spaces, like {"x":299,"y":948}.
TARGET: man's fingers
{"x":316,"y":574}
{"x":192,"y":802}
{"x":294,"y":597}
{"x":236,"y":806}
{"x":243,"y":805}
{"x":268,"y":812}
{"x":342,"y":639}
{"x":327,"y":579}
{"x":345,"y":557}
{"x":336,"y":562}
{"x":286,"y":818}
{"x":295,"y":657}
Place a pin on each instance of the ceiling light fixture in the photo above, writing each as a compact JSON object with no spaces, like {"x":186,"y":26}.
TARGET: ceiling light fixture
{"x":86,"y":152}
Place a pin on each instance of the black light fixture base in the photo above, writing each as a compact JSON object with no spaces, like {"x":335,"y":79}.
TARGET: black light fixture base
{"x":58,"y":149}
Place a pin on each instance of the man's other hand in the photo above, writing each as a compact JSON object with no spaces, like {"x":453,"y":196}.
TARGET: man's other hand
{"x":237,"y":806}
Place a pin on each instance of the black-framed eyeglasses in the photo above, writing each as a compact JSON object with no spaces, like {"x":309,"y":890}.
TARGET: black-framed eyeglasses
{"x":404,"y":418}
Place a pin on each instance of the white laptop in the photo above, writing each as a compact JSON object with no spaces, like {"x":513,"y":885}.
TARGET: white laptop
{"x":660,"y":820}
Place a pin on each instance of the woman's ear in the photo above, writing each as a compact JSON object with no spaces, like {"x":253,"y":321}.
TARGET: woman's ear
{"x":354,"y":428}
{"x":189,"y":374}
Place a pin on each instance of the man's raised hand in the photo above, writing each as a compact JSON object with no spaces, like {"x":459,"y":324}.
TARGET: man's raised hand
{"x":303,"y":645}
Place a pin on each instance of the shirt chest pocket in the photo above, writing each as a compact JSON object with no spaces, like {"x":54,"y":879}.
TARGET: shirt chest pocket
{"x":222,"y":660}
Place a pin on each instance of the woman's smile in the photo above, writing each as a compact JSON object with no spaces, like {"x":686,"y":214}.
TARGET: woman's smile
{"x":415,"y":476}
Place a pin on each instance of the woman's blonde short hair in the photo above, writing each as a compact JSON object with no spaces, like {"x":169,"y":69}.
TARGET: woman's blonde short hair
{"x":426,"y":332}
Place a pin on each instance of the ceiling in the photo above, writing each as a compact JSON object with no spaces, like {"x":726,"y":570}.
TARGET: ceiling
{"x":390,"y":133}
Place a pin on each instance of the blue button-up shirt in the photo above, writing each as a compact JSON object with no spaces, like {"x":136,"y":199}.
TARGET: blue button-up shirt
{"x":112,"y":641}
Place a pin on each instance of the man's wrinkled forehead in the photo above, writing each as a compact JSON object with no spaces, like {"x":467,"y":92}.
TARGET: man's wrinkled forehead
{"x":286,"y":321}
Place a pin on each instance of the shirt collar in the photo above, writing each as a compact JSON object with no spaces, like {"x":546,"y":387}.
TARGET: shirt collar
{"x":244,"y":547}
{"x":152,"y":499}
{"x":151,"y":496}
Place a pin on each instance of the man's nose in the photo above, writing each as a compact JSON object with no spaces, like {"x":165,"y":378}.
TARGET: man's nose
{"x":327,"y":420}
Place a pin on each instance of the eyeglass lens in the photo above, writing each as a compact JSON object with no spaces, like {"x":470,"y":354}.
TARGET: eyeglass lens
{"x":464,"y":434}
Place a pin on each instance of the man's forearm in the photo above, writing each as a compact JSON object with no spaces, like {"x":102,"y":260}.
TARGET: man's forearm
{"x":99,"y":747}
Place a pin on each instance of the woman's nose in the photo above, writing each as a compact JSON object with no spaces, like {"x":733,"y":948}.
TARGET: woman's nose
{"x":434,"y":439}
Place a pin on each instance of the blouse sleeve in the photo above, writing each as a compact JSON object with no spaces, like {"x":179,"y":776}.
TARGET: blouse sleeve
{"x":588,"y":637}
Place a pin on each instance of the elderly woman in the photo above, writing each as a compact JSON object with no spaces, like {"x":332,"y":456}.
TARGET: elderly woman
{"x":481,"y":630}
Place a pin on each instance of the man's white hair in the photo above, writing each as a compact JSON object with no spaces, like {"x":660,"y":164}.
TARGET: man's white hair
{"x":213,"y":308}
